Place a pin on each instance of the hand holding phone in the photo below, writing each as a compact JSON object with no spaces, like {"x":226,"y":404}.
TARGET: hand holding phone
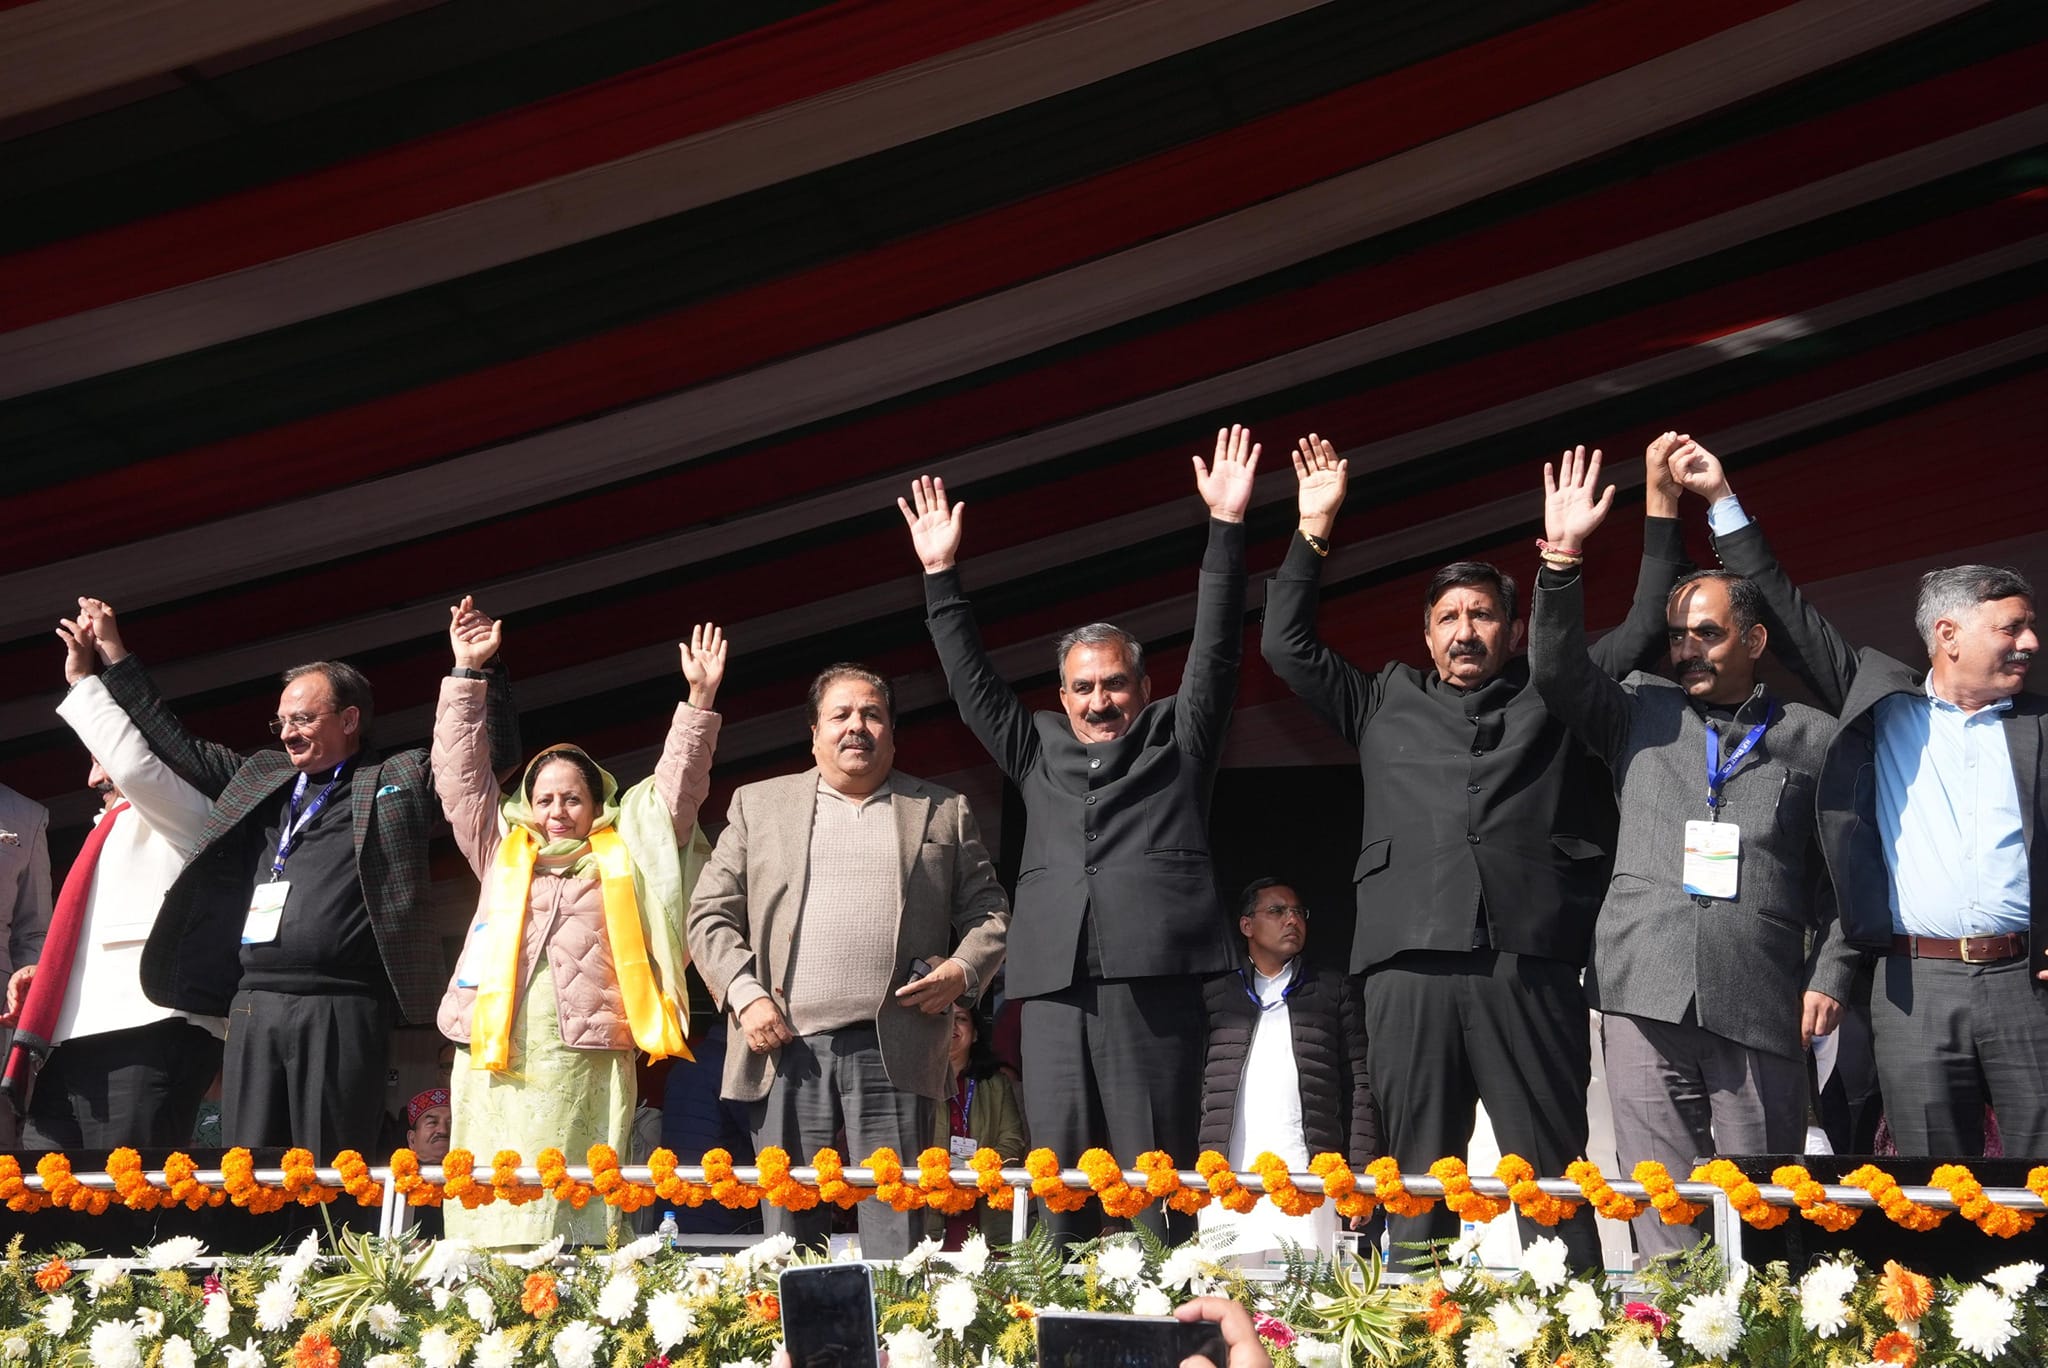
{"x":1080,"y":1339}
{"x":828,"y":1316}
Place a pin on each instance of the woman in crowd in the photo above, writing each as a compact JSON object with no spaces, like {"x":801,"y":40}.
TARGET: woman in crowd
{"x":982,"y":1109}
{"x":573,"y":959}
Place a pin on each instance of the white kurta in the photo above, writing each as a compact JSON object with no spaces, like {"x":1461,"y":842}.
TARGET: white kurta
{"x":1268,"y":1120}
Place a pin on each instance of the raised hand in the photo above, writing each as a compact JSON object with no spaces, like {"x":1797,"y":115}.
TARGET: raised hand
{"x":704,"y":663}
{"x":1660,"y":491}
{"x":473,"y":635}
{"x":934,"y":524}
{"x":1573,"y":509}
{"x":106,"y":633}
{"x":1226,"y":482}
{"x":1321,"y":479}
{"x":80,"y":661}
{"x":1698,"y":469}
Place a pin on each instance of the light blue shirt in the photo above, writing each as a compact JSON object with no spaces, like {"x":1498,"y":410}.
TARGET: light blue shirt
{"x":1948,"y":808}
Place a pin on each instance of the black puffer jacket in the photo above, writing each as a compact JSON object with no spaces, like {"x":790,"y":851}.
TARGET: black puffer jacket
{"x":1327,"y":1021}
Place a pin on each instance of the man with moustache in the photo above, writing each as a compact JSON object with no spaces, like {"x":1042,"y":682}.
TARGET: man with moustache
{"x":1930,"y":804}
{"x":1487,"y":829}
{"x":302,"y":917}
{"x":1117,"y":900}
{"x":1700,"y":969}
{"x":843,"y":913}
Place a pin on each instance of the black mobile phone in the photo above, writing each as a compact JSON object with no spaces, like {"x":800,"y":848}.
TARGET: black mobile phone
{"x":828,"y":1316}
{"x":919,"y":968}
{"x":1068,"y":1339}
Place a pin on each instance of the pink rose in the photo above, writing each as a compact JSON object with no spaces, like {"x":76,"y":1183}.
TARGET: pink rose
{"x":1274,"y":1330}
{"x":1647,"y":1314}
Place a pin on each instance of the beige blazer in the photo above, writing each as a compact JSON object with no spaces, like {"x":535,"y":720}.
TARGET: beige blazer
{"x":743,"y":917}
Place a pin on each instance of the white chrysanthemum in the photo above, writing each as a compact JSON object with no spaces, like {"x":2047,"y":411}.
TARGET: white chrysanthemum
{"x":916,"y":1259}
{"x":177,"y":1353}
{"x":175,"y":1252}
{"x":275,"y":1305}
{"x":439,"y":1349}
{"x":1629,"y":1352}
{"x":1120,"y":1261}
{"x":744,"y":1363}
{"x":1583,"y":1311}
{"x":2015,"y":1278}
{"x":954,"y":1305}
{"x":149,"y":1322}
{"x":103,"y":1278}
{"x":215,"y":1316}
{"x":113,"y":1344}
{"x":1982,"y":1321}
{"x":496,"y":1350}
{"x":772,"y":1252}
{"x":295,"y":1265}
{"x":1517,"y":1323}
{"x":1453,"y":1277}
{"x":671,"y":1319}
{"x":620,"y":1295}
{"x":702,"y":1280}
{"x":1185,"y":1264}
{"x":385,"y":1321}
{"x":576,"y":1345}
{"x":1823,"y":1307}
{"x":14,"y":1348}
{"x":477,"y":1301}
{"x":1710,"y":1325}
{"x":1315,"y":1353}
{"x":1546,"y":1264}
{"x":537,"y":1257}
{"x":250,"y":1355}
{"x":438,"y":1298}
{"x":385,"y":1361}
{"x":646,"y":1247}
{"x":972,"y":1256}
{"x":1483,"y":1349}
{"x":911,"y":1348}
{"x":449,"y":1261}
{"x":1831,"y":1279}
{"x":1150,"y":1301}
{"x":58,"y":1314}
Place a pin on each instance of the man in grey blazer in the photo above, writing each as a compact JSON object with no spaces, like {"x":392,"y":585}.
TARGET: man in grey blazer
{"x":1930,"y":805}
{"x":1700,"y":963}
{"x":842,"y":914}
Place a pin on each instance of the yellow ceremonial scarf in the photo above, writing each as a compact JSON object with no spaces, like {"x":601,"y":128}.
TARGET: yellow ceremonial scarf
{"x":654,"y":1010}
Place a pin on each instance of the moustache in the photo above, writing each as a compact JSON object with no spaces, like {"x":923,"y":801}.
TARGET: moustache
{"x":1097,"y":716}
{"x":1698,"y":667}
{"x":1461,"y":650}
{"x":2019,"y":657}
{"x":103,"y":786}
{"x":857,"y":742}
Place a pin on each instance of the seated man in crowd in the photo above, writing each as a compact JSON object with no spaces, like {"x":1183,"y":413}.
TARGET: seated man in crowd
{"x":843,"y":913}
{"x":1286,"y":1070}
{"x":1929,"y":801}
{"x":302,"y":917}
{"x":1700,"y":968}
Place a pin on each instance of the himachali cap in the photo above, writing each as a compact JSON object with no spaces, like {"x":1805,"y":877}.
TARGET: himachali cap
{"x":432,"y":1097}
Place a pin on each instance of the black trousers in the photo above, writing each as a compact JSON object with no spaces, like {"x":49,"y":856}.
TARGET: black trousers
{"x":305,"y":1070}
{"x":139,"y":1087}
{"x":1445,"y":1030}
{"x":1115,"y":1063}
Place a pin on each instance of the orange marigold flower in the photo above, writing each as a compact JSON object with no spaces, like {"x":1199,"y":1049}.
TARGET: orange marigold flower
{"x":766,"y":1307}
{"x":1897,"y":1347}
{"x":1019,"y":1310}
{"x":315,"y":1350}
{"x":53,"y":1275}
{"x":540,"y":1296}
{"x":1444,"y":1317}
{"x":1904,"y":1294}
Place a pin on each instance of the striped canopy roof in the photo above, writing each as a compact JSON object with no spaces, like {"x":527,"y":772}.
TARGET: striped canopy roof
{"x":629,"y":313}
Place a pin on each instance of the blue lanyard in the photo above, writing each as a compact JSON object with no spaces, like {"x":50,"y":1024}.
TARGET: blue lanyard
{"x":1717,"y":773}
{"x":288,"y":836}
{"x":1261,"y":1003}
{"x":965,"y":1108}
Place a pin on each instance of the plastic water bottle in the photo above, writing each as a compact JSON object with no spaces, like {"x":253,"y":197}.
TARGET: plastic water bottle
{"x":1468,"y":1236}
{"x":668,"y":1230}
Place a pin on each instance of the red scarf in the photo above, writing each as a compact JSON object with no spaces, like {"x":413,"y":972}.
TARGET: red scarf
{"x":53,"y":970}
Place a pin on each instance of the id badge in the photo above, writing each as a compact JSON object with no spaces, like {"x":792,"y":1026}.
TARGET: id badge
{"x":964,"y":1147}
{"x":266,"y":910}
{"x":1713,"y":858}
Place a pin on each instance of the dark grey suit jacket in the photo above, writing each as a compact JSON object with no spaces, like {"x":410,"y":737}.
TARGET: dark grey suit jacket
{"x":1739,"y":963}
{"x":1118,"y":832}
{"x":1852,"y":681}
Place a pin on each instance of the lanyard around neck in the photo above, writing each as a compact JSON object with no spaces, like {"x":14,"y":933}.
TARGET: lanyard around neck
{"x":288,"y":835}
{"x":1718,"y":770}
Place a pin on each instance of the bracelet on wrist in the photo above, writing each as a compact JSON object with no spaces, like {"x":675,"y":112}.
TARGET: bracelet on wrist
{"x":1319,"y":545}
{"x":466,"y":672}
{"x":1552,"y":549}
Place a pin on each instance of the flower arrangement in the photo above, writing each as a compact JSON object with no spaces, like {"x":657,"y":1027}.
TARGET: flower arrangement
{"x":402,"y":1303}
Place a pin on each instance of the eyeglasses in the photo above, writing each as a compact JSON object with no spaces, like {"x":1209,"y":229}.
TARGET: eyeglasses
{"x":300,"y":721}
{"x":1282,"y":912}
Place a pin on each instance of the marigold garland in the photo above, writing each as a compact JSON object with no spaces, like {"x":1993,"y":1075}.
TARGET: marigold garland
{"x":1749,"y":1203}
{"x":1106,"y":1180}
{"x":777,"y":1187}
{"x":1280,"y":1188}
{"x":1884,"y":1190}
{"x":1047,"y":1185}
{"x":1812,"y":1199}
{"x":135,"y":1191}
{"x":889,"y":1185}
{"x":406,"y":1178}
{"x":726,"y":1189}
{"x":832,"y":1184}
{"x":1663,"y":1192}
{"x":238,"y":1180}
{"x":1987,"y":1215}
{"x":301,"y":1180}
{"x":1606,"y":1201}
{"x":13,"y":1191}
{"x":988,"y":1178}
{"x":1385,"y":1173}
{"x":458,"y":1180}
{"x":356,"y":1180}
{"x":505,"y":1184}
{"x":1223,"y":1184}
{"x":1460,"y":1196}
{"x":1528,"y":1195}
{"x":935,"y":1181}
{"x":1340,"y":1185}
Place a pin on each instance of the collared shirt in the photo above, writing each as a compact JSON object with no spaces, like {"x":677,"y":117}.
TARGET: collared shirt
{"x":1948,"y":807}
{"x":1269,"y":1091}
